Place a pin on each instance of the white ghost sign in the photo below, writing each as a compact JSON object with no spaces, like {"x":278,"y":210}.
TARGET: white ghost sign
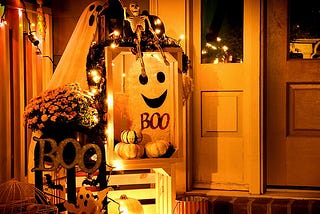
{"x":145,"y":103}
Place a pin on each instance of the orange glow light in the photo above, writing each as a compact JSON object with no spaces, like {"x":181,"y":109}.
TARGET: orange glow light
{"x":20,"y":13}
{"x":2,"y":23}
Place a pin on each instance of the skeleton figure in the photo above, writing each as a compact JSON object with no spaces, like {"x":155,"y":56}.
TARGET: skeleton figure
{"x":138,"y":25}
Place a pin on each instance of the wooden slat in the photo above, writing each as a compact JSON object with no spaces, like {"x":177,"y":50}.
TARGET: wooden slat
{"x":159,"y":190}
{"x":137,"y":194}
{"x":149,"y":208}
{"x":125,"y":179}
{"x":5,"y":105}
{"x":145,"y":178}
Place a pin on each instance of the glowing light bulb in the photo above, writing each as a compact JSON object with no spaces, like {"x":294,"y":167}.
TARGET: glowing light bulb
{"x":95,"y":76}
{"x":211,"y":46}
{"x":218,"y":39}
{"x":208,"y":45}
{"x":96,"y":79}
{"x":95,"y":118}
{"x":225,"y":48}
{"x":116,"y":33}
{"x":117,"y":164}
{"x":20,"y":13}
{"x":94,"y":91}
{"x":157,"y":22}
{"x":182,"y":37}
{"x":93,"y":72}
{"x":109,"y":131}
{"x":3,"y":23}
{"x":158,"y":31}
{"x":110,"y":101}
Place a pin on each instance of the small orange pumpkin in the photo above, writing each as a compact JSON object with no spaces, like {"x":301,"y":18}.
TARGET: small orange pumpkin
{"x":129,"y":150}
{"x":156,"y":148}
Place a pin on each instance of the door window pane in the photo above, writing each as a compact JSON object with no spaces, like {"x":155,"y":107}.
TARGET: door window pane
{"x":221,"y":31}
{"x":304,"y":17}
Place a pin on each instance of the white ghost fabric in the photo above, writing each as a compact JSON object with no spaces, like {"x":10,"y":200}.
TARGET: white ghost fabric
{"x":72,"y":65}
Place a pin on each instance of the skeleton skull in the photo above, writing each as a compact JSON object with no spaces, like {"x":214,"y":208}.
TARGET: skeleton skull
{"x":138,"y":25}
{"x":135,"y":9}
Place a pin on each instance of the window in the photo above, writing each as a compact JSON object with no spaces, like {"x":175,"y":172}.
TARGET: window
{"x":304,"y":17}
{"x":221,"y":31}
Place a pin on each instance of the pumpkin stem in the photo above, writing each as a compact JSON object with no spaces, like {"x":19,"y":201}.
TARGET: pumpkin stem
{"x":123,"y":197}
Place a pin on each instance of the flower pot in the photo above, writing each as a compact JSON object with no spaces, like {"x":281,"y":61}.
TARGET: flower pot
{"x":191,"y":204}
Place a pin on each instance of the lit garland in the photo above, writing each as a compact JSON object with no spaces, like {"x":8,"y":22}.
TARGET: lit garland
{"x":42,"y":26}
{"x":95,"y":65}
{"x":96,"y":60}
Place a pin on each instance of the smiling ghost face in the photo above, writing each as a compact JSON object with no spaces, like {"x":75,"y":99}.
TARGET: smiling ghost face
{"x":154,"y":102}
{"x":153,"y":89}
{"x":150,"y":98}
{"x":85,"y":201}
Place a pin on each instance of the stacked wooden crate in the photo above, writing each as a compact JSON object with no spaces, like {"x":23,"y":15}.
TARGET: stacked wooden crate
{"x":152,"y":187}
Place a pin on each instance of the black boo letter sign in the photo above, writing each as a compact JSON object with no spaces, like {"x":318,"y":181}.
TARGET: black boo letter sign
{"x":155,"y":120}
{"x":56,"y":155}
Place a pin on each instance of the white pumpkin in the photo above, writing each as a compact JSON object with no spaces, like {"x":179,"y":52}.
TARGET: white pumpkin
{"x":156,"y":148}
{"x":125,"y":204}
{"x":131,"y":136}
{"x":129,"y":150}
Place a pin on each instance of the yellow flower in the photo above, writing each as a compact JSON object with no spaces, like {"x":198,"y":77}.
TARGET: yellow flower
{"x":34,"y":120}
{"x":68,"y":105}
{"x":44,"y":118}
{"x":53,"y":118}
{"x":64,"y":100}
{"x":68,"y":109}
{"x":36,"y":107}
{"x":41,"y":126}
{"x":52,"y":108}
{"x":73,"y":113}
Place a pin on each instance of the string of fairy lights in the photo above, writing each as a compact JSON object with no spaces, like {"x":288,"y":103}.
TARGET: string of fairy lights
{"x":29,"y":32}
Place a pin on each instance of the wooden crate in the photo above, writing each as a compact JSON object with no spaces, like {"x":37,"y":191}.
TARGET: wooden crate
{"x":152,"y":187}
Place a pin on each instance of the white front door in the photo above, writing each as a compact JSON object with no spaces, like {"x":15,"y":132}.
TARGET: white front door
{"x":226,"y":111}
